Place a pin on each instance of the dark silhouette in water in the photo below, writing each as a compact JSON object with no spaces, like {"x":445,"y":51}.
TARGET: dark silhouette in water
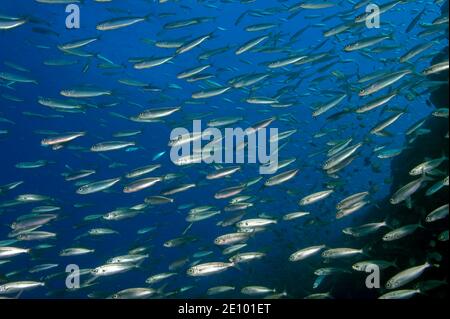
{"x":423,"y":244}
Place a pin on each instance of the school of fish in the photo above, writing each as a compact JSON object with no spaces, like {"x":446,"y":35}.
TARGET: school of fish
{"x":333,"y":113}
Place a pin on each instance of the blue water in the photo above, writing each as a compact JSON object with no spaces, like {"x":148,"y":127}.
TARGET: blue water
{"x":22,"y":144}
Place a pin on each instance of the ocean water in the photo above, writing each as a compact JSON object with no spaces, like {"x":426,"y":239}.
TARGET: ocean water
{"x":31,"y":51}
